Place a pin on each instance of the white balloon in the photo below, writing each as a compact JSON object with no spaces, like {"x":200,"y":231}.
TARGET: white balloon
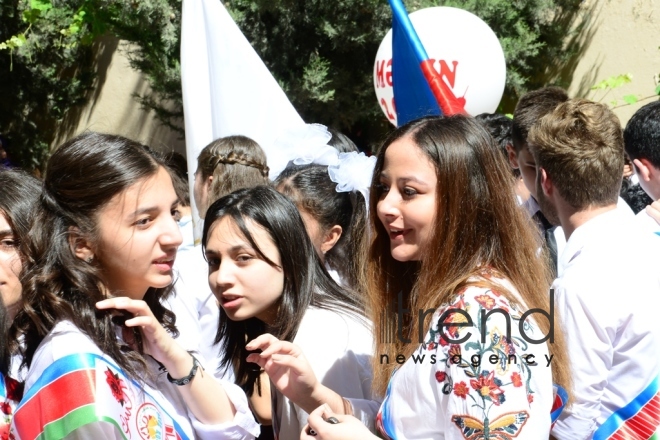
{"x":466,"y":52}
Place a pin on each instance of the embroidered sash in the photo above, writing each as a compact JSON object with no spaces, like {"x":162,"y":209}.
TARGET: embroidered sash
{"x":639,"y":420}
{"x":89,"y":393}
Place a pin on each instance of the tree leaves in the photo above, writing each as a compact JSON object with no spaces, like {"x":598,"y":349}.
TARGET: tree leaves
{"x":613,"y":82}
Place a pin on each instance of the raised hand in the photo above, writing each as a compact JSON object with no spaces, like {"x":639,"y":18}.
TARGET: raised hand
{"x":156,"y":341}
{"x":287,"y":368}
{"x":346,"y":428}
{"x":653,"y":210}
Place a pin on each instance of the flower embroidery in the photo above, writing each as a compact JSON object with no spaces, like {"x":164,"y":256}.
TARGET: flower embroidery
{"x":440,"y":376}
{"x":454,"y":351}
{"x":431,"y":346}
{"x":14,"y":389}
{"x":530,"y":398}
{"x":516,"y":380}
{"x":486,"y":301}
{"x":461,"y":390}
{"x":489,"y":387}
{"x":116,"y":386}
{"x":5,"y":407}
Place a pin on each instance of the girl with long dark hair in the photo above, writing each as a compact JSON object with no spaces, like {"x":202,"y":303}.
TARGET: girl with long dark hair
{"x":91,"y":326}
{"x":268,"y":278}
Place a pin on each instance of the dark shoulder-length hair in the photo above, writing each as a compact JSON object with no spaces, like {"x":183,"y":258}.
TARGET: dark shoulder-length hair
{"x":477,"y":226}
{"x":312,"y":190}
{"x":20,"y":195}
{"x":82,"y":176}
{"x":5,"y":358}
{"x":306,"y":282}
{"x":20,"y":192}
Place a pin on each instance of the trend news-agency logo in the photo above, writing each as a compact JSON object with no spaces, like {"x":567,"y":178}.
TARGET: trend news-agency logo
{"x":394,"y":328}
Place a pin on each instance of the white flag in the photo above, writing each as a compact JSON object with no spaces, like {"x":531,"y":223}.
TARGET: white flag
{"x":227,"y":89}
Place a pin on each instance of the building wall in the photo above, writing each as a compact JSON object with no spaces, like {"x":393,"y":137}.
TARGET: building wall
{"x":625,"y":38}
{"x":113,"y":109}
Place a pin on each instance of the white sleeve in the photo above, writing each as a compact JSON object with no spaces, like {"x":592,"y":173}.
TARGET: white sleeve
{"x":590,"y":349}
{"x":243,"y":426}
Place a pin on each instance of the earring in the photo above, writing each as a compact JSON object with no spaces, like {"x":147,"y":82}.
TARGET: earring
{"x":89,"y":259}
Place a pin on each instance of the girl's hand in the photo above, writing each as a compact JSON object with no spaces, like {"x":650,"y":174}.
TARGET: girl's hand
{"x":156,"y":341}
{"x":348,"y":428}
{"x":287,"y":368}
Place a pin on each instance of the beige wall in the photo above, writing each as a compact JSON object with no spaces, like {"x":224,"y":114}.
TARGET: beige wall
{"x":112,"y":108}
{"x":625,"y":39}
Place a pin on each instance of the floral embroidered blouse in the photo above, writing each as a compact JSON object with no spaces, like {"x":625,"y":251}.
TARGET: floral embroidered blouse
{"x":462,"y":387}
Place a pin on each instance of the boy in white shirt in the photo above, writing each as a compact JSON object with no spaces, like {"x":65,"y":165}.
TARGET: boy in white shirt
{"x":607,"y":300}
{"x":642,"y":143}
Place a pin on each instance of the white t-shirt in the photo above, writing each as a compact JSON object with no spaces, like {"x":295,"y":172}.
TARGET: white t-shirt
{"x":197,"y":309}
{"x":339,"y":349}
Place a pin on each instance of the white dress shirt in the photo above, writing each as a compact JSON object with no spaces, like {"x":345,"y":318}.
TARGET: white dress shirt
{"x":608,"y":296}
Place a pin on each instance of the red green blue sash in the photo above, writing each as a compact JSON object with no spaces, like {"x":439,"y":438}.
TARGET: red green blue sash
{"x":559,"y":402}
{"x":639,"y":420}
{"x":89,"y":394}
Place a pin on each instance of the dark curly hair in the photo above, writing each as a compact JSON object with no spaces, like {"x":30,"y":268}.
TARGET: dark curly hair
{"x":82,"y":176}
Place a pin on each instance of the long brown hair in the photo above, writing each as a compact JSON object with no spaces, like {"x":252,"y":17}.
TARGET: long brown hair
{"x":235,"y":162}
{"x":477,"y":224}
{"x":82,"y":176}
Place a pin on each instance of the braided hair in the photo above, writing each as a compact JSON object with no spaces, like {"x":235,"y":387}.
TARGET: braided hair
{"x":234,"y":162}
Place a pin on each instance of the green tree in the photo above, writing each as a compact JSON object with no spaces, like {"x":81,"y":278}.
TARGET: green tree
{"x":321,"y":52}
{"x":43,"y":73}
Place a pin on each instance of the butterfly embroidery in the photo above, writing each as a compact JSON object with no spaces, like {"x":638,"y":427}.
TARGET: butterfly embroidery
{"x":505,"y":427}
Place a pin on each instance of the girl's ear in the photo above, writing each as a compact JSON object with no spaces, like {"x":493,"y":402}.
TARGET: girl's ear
{"x":80,"y":246}
{"x":331,"y":238}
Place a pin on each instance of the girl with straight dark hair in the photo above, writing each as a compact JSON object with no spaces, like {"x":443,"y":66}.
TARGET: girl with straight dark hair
{"x":99,"y":261}
{"x":268,"y":278}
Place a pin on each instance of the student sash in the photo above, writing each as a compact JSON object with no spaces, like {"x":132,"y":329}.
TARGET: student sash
{"x":91,"y":394}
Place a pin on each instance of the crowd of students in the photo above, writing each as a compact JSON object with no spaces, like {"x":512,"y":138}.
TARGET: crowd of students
{"x":480,"y":278}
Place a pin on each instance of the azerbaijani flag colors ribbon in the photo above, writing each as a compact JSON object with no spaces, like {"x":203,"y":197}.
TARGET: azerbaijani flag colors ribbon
{"x":89,"y":393}
{"x":561,"y":397}
{"x":419,"y":90}
{"x":639,"y":420}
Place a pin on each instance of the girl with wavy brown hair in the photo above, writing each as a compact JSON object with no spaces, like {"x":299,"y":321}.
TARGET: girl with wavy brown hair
{"x":91,"y":326}
{"x":455,"y":291}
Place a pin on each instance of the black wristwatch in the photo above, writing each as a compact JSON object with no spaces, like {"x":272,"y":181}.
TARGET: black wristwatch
{"x":185,"y":380}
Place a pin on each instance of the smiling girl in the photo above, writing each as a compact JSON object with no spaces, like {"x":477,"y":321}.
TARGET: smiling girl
{"x":448,"y":235}
{"x":101,"y":253}
{"x":268,"y":278}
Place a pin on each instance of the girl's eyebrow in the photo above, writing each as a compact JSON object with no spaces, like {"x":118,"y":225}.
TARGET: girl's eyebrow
{"x":152,"y":209}
{"x":404,"y":179}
